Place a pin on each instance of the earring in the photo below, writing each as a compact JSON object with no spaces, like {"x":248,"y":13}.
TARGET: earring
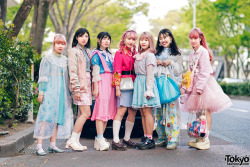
{"x":160,"y":44}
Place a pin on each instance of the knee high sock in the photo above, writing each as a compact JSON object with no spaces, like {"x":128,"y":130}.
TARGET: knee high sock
{"x":116,"y":130}
{"x":128,"y":129}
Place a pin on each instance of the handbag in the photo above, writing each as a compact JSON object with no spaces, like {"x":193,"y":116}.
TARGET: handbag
{"x":197,"y":128}
{"x":127,"y":83}
{"x":168,"y":88}
{"x":197,"y":124}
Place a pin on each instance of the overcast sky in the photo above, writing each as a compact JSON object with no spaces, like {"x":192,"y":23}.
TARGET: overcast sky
{"x":157,"y":8}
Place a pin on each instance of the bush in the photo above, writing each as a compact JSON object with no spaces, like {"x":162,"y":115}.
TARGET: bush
{"x":237,"y":89}
{"x":15,"y":79}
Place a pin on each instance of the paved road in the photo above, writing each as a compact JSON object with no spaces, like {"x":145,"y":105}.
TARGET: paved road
{"x":230,"y":136}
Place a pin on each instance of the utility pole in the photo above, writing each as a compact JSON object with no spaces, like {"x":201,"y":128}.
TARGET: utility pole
{"x":30,"y":112}
{"x":194,"y":13}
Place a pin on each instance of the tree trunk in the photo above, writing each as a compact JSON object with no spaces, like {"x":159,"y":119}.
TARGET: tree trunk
{"x":17,"y":97}
{"x":43,"y":11}
{"x":3,"y":9}
{"x":34,"y":23}
{"x":21,"y":16}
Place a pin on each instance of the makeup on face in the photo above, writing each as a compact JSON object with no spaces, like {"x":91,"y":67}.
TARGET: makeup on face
{"x":195,"y":43}
{"x":165,"y":40}
{"x":144,"y":43}
{"x":59,"y":47}
{"x":105,"y":42}
{"x":129,"y":42}
{"x":83,"y":39}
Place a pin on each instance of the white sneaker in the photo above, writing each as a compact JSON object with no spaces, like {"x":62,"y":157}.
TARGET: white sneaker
{"x":101,"y":144}
{"x":193,"y":142}
{"x":203,"y":144}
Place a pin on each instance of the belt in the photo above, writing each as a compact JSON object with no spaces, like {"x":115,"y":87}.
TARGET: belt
{"x":128,"y":72}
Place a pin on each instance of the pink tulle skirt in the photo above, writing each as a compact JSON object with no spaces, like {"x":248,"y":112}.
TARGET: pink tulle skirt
{"x":213,"y":98}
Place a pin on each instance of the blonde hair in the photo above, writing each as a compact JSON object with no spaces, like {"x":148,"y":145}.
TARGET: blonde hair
{"x":151,"y":42}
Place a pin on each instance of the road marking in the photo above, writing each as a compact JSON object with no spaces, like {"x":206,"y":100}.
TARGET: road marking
{"x":236,"y":109}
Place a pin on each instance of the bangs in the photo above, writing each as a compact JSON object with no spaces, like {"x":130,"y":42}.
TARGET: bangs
{"x":106,"y":36}
{"x":194,"y":34}
{"x":144,"y":36}
{"x":60,"y":42}
{"x":82,"y":33}
{"x":60,"y":39}
{"x":132,"y":35}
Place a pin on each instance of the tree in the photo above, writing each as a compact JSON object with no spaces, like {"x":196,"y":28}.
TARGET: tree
{"x":114,"y":17}
{"x":98,"y":15}
{"x":20,"y":17}
{"x":41,"y":11}
{"x":3,"y":9}
{"x":174,"y":21}
{"x":73,"y":13}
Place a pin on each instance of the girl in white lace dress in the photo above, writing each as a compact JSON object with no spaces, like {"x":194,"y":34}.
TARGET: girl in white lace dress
{"x":55,"y":116}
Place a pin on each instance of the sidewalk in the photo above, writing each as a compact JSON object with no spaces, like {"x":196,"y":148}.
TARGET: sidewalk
{"x":11,"y":145}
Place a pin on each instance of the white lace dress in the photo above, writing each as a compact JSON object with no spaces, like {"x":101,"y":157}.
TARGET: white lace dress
{"x":56,"y":107}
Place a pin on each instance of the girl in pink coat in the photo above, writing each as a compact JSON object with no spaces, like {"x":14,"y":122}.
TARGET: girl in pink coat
{"x":204,"y":91}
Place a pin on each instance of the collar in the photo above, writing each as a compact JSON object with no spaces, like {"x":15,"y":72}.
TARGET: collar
{"x":168,"y":50}
{"x":56,"y":54}
{"x":81,"y":47}
{"x":199,"y":50}
{"x":127,"y":51}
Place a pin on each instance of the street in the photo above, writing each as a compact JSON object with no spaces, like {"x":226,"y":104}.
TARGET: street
{"x":230,"y":135}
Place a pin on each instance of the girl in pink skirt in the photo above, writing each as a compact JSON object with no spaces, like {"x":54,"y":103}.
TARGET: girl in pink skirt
{"x":204,"y":92}
{"x":105,"y":99}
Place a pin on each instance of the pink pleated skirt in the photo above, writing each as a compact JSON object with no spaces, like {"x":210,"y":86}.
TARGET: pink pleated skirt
{"x":213,"y":98}
{"x":105,"y":103}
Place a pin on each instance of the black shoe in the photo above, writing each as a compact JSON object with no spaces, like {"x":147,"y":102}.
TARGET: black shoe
{"x":143,"y":139}
{"x":147,"y":144}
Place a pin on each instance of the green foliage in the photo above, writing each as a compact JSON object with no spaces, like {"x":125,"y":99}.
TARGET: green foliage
{"x":15,"y":68}
{"x":114,"y":17}
{"x":237,"y":89}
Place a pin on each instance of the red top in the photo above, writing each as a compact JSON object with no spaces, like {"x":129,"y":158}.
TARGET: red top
{"x":123,"y":62}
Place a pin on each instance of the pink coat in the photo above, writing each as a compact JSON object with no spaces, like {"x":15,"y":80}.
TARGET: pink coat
{"x":203,"y":69}
{"x":77,"y":70}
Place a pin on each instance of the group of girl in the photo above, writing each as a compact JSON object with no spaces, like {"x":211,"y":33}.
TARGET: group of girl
{"x":85,"y":73}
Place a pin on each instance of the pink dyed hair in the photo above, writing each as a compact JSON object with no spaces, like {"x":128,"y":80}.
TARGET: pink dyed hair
{"x":151,"y":42}
{"x":59,"y":38}
{"x":197,"y":33}
{"x":128,"y":33}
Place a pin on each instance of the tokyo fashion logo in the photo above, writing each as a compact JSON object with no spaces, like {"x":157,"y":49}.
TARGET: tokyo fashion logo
{"x":236,"y":160}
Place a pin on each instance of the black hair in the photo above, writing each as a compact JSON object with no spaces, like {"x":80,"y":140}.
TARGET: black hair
{"x":79,"y":33}
{"x":173,"y":46}
{"x":100,"y":36}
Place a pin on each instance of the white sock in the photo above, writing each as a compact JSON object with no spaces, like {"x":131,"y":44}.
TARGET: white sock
{"x":78,"y":138}
{"x":74,"y":136}
{"x":52,"y":144}
{"x":128,"y":129}
{"x":39,"y":148}
{"x":116,"y":130}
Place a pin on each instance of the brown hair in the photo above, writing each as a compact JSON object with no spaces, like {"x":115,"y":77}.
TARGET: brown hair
{"x":151,"y":42}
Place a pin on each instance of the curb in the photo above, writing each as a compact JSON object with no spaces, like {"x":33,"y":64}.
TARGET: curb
{"x":245,"y":98}
{"x":11,"y":145}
